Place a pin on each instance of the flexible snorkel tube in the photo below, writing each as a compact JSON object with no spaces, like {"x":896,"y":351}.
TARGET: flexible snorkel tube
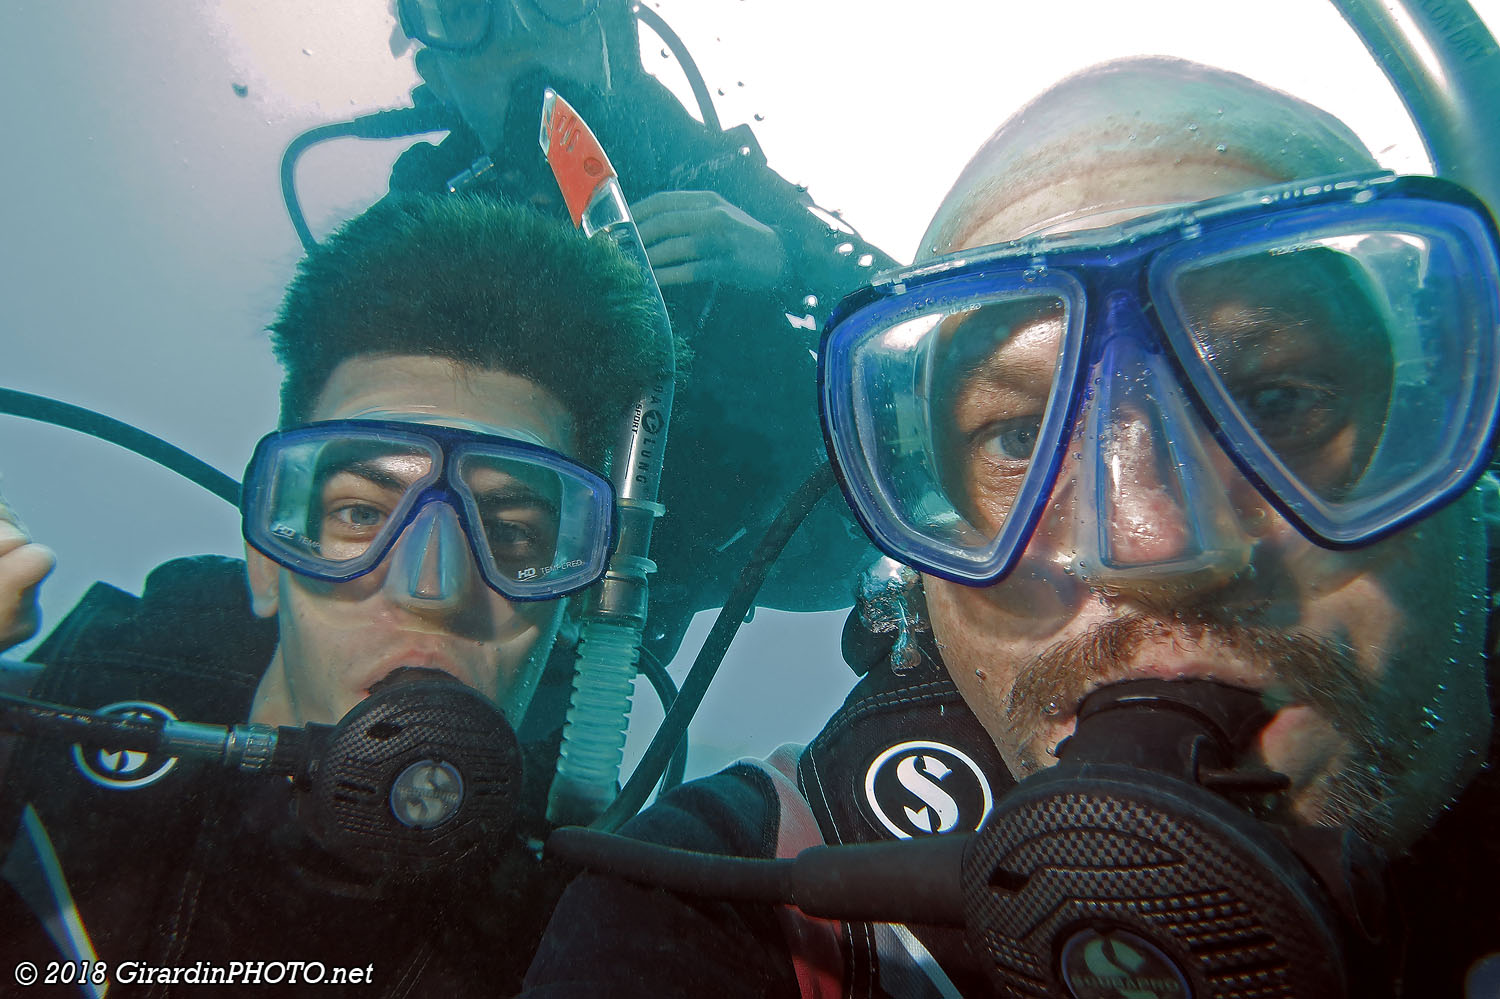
{"x":588,"y":766}
{"x":1445,"y":66}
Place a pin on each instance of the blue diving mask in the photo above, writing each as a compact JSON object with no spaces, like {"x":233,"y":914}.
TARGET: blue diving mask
{"x":331,"y":500}
{"x":463,"y":25}
{"x":1339,"y":340}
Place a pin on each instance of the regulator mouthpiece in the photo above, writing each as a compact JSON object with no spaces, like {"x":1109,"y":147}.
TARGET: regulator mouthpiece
{"x":422,"y":776}
{"x":1123,"y":870}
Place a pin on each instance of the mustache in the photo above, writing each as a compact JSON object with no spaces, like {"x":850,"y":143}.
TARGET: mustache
{"x":1296,"y":668}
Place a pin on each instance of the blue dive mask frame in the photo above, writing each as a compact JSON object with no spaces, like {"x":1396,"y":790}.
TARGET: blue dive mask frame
{"x":1131,"y":266}
{"x":442,"y":483}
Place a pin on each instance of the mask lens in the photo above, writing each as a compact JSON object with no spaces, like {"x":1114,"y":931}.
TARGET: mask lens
{"x":540,"y":526}
{"x":566,"y":12}
{"x":1353,"y":370}
{"x":446,"y":24}
{"x":332,"y":503}
{"x":329,"y":500}
{"x":951,"y":422}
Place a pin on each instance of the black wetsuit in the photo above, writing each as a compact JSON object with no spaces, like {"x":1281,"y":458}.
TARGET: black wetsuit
{"x":211,"y":866}
{"x":612,"y":937}
{"x":745,"y":427}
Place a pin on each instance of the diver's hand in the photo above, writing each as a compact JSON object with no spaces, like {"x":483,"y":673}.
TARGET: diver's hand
{"x":23,"y":566}
{"x":694,"y":236}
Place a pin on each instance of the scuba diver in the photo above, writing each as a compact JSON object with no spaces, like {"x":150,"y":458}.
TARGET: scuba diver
{"x":1177,"y":430}
{"x":747,"y":264}
{"x":411,"y":529}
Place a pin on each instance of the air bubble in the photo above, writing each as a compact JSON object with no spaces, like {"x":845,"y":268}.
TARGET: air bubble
{"x":1221,"y":148}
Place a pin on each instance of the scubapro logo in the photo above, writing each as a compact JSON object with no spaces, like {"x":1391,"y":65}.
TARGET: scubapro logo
{"x":1116,"y":964}
{"x":427,"y":794}
{"x":921,"y":788}
{"x":125,"y":769}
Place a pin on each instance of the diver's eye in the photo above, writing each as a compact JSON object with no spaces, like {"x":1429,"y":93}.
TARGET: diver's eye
{"x":1291,"y":413}
{"x":1009,"y":440}
{"x":356,"y":518}
{"x":362,"y":516}
{"x":517,"y":540}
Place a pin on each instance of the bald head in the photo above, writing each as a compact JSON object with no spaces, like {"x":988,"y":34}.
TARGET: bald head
{"x":1128,"y":135}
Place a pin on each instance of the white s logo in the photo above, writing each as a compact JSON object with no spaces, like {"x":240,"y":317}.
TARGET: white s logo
{"x":949,"y":786}
{"x":925,"y":784}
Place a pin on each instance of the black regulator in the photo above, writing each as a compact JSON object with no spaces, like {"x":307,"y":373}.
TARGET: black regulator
{"x":1139,"y":865}
{"x":1132,"y":868}
{"x":420,"y":778}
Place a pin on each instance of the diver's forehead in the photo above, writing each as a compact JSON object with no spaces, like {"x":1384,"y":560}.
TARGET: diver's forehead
{"x":439,"y":391}
{"x":1093,"y":192}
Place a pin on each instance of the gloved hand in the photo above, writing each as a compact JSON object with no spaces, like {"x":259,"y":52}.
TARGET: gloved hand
{"x":23,"y":566}
{"x":695,"y":236}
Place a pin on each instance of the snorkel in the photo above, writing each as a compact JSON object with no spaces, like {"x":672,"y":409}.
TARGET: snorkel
{"x":1445,"y":66}
{"x":588,"y":765}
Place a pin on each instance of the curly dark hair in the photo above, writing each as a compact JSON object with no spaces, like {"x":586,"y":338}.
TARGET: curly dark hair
{"x":484,"y":283}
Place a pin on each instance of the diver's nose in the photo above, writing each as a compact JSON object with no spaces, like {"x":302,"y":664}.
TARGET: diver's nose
{"x":1154,"y":509}
{"x":431,"y":566}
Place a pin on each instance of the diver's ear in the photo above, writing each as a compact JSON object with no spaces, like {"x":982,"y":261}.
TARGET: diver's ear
{"x":264,"y":577}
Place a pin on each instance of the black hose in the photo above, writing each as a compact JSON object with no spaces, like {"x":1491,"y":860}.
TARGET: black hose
{"x":905,"y":881}
{"x":666,"y":692}
{"x":106,"y":428}
{"x":636,"y":790}
{"x":685,"y":60}
{"x":393,"y":124}
{"x":29,"y":717}
{"x":739,"y":879}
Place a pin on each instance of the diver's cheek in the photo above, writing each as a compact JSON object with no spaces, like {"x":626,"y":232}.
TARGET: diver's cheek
{"x":514,"y":664}
{"x":1304,"y":745}
{"x":974,"y":650}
